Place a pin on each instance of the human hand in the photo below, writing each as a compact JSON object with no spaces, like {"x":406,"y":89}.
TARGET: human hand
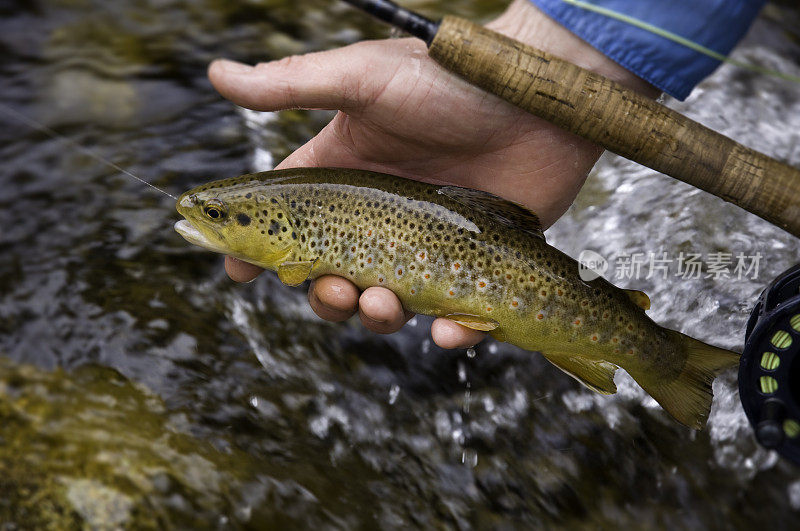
{"x":401,"y":113}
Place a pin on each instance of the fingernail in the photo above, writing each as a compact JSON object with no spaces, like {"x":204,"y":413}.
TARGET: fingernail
{"x":313,"y":293}
{"x":233,"y":67}
{"x":376,"y":321}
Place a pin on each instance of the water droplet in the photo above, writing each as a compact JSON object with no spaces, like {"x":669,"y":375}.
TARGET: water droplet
{"x":471,"y":353}
{"x":426,"y":346}
{"x":394,"y":392}
{"x":462,"y":371}
{"x":469,"y":457}
{"x":254,"y":401}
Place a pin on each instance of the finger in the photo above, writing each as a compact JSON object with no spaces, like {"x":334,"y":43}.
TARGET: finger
{"x":381,"y":311}
{"x":323,"y":80}
{"x":333,"y":298}
{"x":241,"y":271}
{"x":449,"y":334}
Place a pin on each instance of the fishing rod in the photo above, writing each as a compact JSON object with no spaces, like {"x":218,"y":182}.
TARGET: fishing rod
{"x":644,"y":131}
{"x":606,"y":113}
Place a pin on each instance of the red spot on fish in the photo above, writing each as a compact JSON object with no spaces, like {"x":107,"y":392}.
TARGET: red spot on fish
{"x":540,"y":316}
{"x":456,"y":265}
{"x":451,"y":293}
{"x":427,"y":275}
{"x":544,"y":293}
{"x":514,"y":304}
{"x":577,"y":321}
{"x":560,"y":293}
{"x":594,"y":338}
{"x":614,"y":340}
{"x":481,"y":284}
{"x":489,"y":309}
{"x":369,"y":260}
{"x":508,"y":277}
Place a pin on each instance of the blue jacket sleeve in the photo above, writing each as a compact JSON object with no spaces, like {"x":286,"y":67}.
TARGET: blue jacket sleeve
{"x":672,"y":67}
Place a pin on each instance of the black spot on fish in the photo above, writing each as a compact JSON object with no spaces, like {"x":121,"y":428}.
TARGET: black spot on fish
{"x":243,"y":219}
{"x":248,"y":195}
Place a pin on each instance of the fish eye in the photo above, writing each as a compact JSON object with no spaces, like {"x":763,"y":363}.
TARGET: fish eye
{"x":215,"y":209}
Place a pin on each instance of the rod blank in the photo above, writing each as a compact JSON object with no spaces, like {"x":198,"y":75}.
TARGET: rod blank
{"x":408,"y":21}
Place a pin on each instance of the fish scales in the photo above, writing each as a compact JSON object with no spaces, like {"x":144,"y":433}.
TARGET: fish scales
{"x":452,"y":252}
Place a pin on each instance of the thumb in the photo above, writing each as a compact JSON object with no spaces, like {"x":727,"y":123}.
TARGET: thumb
{"x":323,"y":80}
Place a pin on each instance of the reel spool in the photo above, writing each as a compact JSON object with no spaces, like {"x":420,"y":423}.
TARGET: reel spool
{"x":769,"y":370}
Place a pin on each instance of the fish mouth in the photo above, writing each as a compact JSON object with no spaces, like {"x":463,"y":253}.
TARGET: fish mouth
{"x":192,"y":235}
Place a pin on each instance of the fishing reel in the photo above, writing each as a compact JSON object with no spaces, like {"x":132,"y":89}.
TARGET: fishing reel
{"x":769,"y":370}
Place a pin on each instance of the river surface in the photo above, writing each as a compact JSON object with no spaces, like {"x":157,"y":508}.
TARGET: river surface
{"x":140,"y":387}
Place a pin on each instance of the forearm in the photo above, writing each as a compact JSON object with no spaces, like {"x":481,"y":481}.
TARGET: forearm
{"x":665,"y":64}
{"x":528,"y":24}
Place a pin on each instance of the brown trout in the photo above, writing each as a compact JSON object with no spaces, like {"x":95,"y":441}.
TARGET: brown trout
{"x":453,"y":252}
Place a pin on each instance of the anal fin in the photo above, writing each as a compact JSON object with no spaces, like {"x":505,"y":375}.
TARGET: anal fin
{"x":596,"y":375}
{"x":639,"y":298}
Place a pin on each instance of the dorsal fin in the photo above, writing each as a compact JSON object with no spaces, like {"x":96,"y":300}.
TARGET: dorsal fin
{"x":506,"y":212}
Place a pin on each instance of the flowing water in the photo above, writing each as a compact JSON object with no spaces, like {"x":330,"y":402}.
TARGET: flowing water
{"x":140,"y":387}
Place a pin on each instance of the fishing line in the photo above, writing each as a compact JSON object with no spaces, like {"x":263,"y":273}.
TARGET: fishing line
{"x":674,"y":37}
{"x":30,"y":122}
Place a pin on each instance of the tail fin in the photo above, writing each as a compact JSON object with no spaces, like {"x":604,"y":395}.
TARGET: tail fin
{"x":688,"y":397}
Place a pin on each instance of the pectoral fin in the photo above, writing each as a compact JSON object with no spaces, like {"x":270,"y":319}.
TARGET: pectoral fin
{"x":639,"y":298}
{"x":473,"y":321}
{"x":294,"y":273}
{"x":596,"y":375}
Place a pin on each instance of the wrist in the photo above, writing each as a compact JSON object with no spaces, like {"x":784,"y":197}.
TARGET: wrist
{"x":526,"y":23}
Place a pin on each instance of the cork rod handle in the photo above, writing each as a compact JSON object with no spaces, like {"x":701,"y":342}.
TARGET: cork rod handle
{"x":621,"y":120}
